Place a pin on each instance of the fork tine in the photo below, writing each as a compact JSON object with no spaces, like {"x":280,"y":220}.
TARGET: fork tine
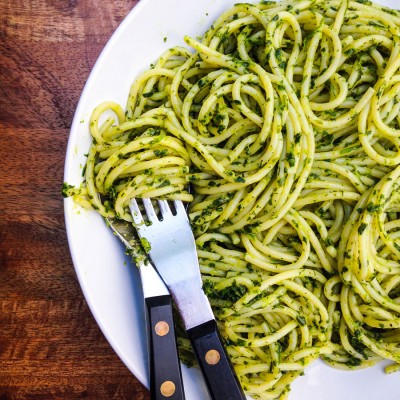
{"x":164,"y":207}
{"x":135,"y":212}
{"x":179,"y":207}
{"x":150,"y":212}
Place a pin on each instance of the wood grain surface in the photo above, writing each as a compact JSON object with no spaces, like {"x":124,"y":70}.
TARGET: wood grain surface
{"x":50,"y":345}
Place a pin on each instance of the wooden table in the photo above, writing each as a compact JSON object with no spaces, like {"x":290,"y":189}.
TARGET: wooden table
{"x":50,"y":345}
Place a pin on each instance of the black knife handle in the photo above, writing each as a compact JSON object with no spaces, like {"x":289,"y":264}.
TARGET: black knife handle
{"x":220,"y":377}
{"x":165,"y":367}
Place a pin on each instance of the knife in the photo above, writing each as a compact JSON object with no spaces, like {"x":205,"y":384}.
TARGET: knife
{"x":165,"y":368}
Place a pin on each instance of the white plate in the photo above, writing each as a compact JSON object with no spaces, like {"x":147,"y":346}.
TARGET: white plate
{"x":110,"y":284}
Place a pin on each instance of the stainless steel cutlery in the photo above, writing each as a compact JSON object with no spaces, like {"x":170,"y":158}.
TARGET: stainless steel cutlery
{"x":169,"y":241}
{"x":165,"y":369}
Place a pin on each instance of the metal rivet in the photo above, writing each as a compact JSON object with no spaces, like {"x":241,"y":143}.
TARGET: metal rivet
{"x":161,"y":328}
{"x":167,"y":388}
{"x":212,"y":357}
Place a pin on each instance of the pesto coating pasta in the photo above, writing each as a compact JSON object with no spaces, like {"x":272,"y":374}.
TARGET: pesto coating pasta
{"x":284,"y":119}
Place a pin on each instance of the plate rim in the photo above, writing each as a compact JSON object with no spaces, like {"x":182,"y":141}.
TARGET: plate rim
{"x":127,"y":20}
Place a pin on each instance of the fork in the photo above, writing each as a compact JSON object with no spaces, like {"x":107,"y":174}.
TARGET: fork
{"x":171,"y":246}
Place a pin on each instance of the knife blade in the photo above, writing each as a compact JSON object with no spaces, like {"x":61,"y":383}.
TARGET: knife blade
{"x":165,"y":368}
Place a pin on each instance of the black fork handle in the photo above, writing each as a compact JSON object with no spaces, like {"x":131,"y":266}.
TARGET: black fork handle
{"x":220,"y":377}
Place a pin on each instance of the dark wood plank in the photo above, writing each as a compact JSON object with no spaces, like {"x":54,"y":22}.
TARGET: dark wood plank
{"x":50,"y":344}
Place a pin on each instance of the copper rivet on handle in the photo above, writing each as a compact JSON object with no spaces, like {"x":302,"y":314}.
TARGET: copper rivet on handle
{"x":167,"y":388}
{"x":161,"y":328}
{"x":212,"y":357}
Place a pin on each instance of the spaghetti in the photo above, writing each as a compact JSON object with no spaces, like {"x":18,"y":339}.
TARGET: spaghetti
{"x":285,"y":120}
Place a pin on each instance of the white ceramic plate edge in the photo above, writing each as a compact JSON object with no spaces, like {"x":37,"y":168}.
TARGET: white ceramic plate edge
{"x":126,"y":280}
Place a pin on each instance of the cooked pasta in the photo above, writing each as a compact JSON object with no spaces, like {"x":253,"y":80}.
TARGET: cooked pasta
{"x":285,"y":121}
